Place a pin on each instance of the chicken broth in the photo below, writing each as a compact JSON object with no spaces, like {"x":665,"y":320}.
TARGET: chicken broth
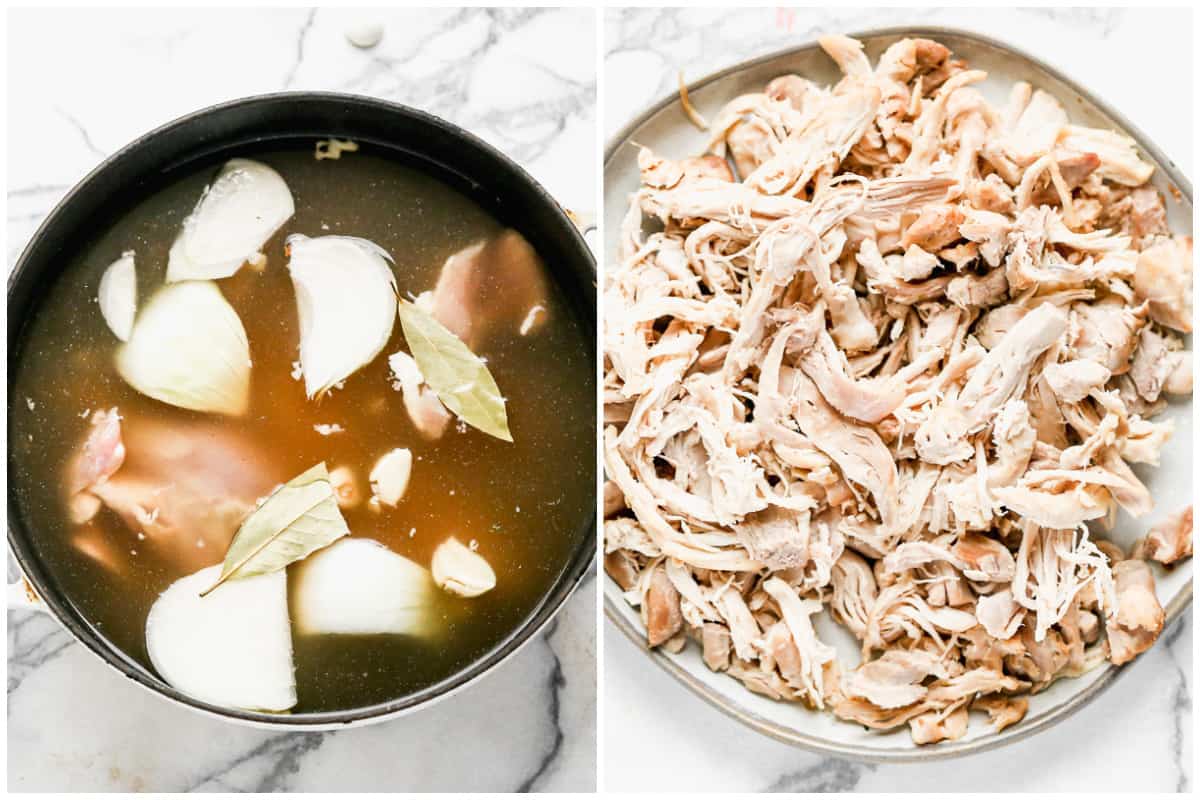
{"x":522,"y":505}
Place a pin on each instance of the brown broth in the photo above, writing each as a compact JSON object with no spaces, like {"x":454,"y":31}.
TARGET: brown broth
{"x":525,"y":503}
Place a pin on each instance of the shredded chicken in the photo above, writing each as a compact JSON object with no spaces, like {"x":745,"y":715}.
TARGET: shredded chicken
{"x":886,"y":351}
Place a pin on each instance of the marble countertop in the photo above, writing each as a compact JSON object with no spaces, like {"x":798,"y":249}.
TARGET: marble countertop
{"x":1138,"y":734}
{"x":522,"y":79}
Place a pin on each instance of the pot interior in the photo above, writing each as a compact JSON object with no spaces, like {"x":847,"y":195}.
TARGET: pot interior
{"x":396,"y":145}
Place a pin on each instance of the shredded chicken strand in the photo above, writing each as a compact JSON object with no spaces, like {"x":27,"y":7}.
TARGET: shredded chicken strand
{"x":887,"y":351}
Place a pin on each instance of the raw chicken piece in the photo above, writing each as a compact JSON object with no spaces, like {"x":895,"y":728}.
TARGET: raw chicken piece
{"x":101,"y":454}
{"x":186,"y":487}
{"x":425,"y":410}
{"x":491,"y":287}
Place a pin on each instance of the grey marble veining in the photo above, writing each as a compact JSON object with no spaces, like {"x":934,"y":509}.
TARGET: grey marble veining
{"x":1138,"y":734}
{"x":521,"y":79}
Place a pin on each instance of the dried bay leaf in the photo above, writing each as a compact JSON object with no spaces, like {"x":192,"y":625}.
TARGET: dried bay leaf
{"x":459,"y":377}
{"x":299,"y":518}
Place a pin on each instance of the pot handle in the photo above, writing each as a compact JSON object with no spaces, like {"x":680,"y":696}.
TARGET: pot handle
{"x":585,"y":221}
{"x":22,"y":597}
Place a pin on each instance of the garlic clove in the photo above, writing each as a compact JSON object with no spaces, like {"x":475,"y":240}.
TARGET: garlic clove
{"x":345,"y":487}
{"x":460,"y":570}
{"x":364,"y":34}
{"x":389,"y":477}
{"x":239,"y":211}
{"x":118,"y":295}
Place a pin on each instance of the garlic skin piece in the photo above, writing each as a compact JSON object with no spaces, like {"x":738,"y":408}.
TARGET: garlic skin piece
{"x":460,"y":570}
{"x":231,"y":648}
{"x":346,"y":298}
{"x":358,"y":586}
{"x":237,"y":213}
{"x":389,"y":477}
{"x":118,"y":295}
{"x":188,"y":349}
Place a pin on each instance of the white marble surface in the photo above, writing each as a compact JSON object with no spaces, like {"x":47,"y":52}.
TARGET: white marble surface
{"x":1136,"y":736}
{"x":81,"y":87}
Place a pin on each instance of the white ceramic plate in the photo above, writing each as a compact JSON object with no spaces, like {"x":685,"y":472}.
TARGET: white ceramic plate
{"x":666,"y":130}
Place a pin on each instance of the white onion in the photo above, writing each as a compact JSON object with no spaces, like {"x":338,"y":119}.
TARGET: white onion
{"x":118,"y":295}
{"x":188,"y":349}
{"x":243,"y":208}
{"x":232,"y":647}
{"x":358,"y":586}
{"x":346,"y":298}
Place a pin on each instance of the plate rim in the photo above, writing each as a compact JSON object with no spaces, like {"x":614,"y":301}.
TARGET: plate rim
{"x":1176,"y":607}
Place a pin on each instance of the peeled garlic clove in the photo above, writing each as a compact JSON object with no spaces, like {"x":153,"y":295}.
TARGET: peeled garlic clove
{"x":232,"y":647}
{"x":345,"y":487}
{"x":118,"y":295}
{"x":358,"y":586}
{"x":238,"y":212}
{"x":188,"y":348}
{"x":460,"y":570}
{"x":346,"y":297}
{"x":363,"y":34}
{"x":389,"y":477}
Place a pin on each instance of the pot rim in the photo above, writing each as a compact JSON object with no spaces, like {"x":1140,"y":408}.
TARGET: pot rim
{"x":574,"y":569}
{"x":1176,"y":606}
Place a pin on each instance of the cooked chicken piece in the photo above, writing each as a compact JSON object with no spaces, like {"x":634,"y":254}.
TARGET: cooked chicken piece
{"x":814,"y":654}
{"x":854,"y":592}
{"x":1164,"y":280}
{"x":1072,"y":381}
{"x":1119,"y":161}
{"x":895,"y":679}
{"x":1105,"y":332}
{"x":1139,"y":617}
{"x":1003,"y":712}
{"x":1169,"y":540}
{"x":978,"y":291}
{"x":614,"y":500}
{"x":1142,"y":215}
{"x":777,"y":537}
{"x":891,"y":365}
{"x":716,"y":644}
{"x":943,"y":438}
{"x":1052,"y":567}
{"x":1036,"y":130}
{"x":661,"y":609}
{"x":999,"y":614}
{"x":1159,"y":365}
{"x":939,"y":726}
{"x":491,"y":287}
{"x":621,"y":567}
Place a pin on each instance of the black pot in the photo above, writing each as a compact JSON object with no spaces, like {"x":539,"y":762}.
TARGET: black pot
{"x":443,"y":150}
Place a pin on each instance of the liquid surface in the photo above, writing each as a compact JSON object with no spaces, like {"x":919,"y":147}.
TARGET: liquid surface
{"x":525,"y":504}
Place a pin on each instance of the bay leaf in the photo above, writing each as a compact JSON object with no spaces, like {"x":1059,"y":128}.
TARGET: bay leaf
{"x":459,"y":377}
{"x":299,"y":518}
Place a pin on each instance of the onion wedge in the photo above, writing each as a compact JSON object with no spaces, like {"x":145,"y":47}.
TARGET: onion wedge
{"x":346,"y":298}
{"x":238,"y":212}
